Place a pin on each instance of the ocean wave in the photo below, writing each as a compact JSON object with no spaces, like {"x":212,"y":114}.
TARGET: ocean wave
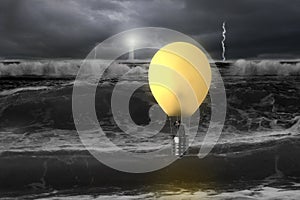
{"x":64,"y":68}
{"x":264,"y":67}
{"x":240,"y":190}
{"x":40,"y":68}
{"x":22,"y":89}
{"x":69,"y":68}
{"x":249,"y":108}
{"x":67,"y":169}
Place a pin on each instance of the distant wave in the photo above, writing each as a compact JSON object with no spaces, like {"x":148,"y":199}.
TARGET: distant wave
{"x":69,"y":68}
{"x":265,"y":67}
{"x":62,"y":68}
{"x":40,"y":68}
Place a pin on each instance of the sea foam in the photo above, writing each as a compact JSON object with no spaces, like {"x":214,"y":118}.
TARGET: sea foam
{"x":264,"y":67}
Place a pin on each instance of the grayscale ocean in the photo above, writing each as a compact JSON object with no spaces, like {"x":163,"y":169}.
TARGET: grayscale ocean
{"x":42,"y":157}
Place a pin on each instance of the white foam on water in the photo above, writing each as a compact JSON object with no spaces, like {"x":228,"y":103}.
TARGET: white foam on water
{"x":22,"y":89}
{"x":258,"y":193}
{"x":50,"y":68}
{"x":65,"y":68}
{"x":264,"y":67}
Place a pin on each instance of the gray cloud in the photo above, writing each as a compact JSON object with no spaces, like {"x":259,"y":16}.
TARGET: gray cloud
{"x":70,"y":28}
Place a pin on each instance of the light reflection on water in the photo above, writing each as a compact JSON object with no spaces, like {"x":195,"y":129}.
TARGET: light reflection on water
{"x":265,"y":190}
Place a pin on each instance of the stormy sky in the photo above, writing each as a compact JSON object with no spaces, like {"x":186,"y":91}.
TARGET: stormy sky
{"x":71,"y":28}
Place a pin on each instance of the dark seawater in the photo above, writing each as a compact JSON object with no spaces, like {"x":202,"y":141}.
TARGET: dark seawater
{"x":41,"y":156}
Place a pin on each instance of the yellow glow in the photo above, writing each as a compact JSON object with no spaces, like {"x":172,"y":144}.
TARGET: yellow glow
{"x":179,"y":78}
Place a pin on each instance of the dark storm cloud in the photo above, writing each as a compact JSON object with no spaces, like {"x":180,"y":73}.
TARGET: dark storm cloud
{"x":53,"y":28}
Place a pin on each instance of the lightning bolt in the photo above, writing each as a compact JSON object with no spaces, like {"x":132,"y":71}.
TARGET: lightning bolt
{"x":223,"y":41}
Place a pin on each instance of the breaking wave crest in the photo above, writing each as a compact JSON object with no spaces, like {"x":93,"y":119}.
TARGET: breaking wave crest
{"x":69,"y":68}
{"x":62,"y":68}
{"x":265,"y":67}
{"x":40,"y":68}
